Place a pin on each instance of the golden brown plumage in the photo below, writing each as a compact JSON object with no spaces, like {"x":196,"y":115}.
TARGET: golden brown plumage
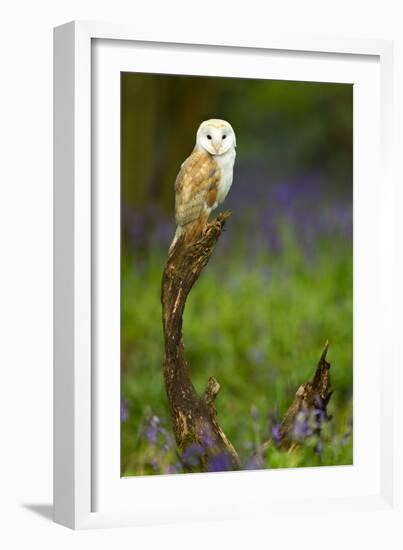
{"x":196,"y":193}
{"x":204,"y":178}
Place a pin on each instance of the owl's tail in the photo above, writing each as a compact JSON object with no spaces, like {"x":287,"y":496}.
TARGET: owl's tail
{"x":178,"y":233}
{"x":191,"y":231}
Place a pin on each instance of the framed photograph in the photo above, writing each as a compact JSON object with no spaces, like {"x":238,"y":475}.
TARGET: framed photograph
{"x":223,"y":259}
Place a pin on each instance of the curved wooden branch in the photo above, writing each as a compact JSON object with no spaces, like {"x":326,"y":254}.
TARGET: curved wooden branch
{"x":194,"y":418}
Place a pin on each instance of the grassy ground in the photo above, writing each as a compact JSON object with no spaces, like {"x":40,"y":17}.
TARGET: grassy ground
{"x":256,"y":320}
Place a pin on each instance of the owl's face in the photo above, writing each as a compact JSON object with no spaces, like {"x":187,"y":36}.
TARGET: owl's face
{"x":215,"y":136}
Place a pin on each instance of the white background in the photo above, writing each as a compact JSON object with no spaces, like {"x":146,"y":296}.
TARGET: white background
{"x":180,"y":494}
{"x":26,"y":270}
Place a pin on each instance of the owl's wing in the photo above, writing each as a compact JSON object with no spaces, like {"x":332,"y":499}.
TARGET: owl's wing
{"x":195,"y":187}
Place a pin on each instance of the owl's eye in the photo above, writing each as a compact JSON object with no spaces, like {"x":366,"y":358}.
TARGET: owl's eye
{"x":224,"y":136}
{"x":208,"y":136}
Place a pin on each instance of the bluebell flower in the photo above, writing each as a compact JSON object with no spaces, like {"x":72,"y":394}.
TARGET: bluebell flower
{"x":253,"y":463}
{"x":206,"y":439}
{"x":220,"y":463}
{"x":192,"y":455}
{"x":301,"y":427}
{"x":152,"y":430}
{"x":276,"y":434}
{"x":173,"y":469}
{"x":285,"y":194}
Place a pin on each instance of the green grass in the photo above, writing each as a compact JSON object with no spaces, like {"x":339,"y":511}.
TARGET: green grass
{"x":258,"y":324}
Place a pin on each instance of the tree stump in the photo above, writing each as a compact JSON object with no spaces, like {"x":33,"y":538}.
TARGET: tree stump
{"x":194,"y":417}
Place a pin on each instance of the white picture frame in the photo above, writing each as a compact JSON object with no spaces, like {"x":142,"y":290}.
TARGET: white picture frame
{"x":87,"y":489}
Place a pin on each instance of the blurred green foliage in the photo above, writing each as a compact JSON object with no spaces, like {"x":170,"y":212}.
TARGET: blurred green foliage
{"x":280,"y":281}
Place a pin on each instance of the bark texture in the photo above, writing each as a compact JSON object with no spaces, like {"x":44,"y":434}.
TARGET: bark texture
{"x":194,"y":417}
{"x":313,"y":395}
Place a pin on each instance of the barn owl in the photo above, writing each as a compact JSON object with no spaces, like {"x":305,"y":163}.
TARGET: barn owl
{"x":204,"y":179}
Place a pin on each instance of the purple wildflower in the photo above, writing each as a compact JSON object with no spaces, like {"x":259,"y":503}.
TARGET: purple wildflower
{"x":206,"y":439}
{"x":301,"y":427}
{"x":167,"y":445}
{"x":284,"y":194}
{"x":152,"y":430}
{"x":275,"y":242}
{"x":320,"y":416}
{"x":253,"y":463}
{"x":192,"y":455}
{"x":173,"y":469}
{"x":220,"y":463}
{"x":276,"y":434}
{"x":319,"y":413}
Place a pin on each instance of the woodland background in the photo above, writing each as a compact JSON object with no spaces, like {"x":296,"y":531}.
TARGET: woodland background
{"x":280,"y":281}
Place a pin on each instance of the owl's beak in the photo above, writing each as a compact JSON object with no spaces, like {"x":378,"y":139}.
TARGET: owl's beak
{"x":217,"y":145}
